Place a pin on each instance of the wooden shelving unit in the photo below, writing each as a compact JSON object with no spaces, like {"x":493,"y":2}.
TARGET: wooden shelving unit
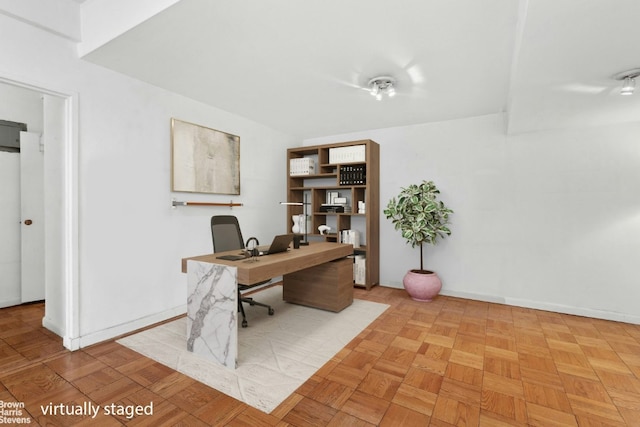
{"x":326,"y":178}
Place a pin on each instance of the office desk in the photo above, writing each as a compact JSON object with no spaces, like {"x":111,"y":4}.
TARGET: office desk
{"x":317,"y":275}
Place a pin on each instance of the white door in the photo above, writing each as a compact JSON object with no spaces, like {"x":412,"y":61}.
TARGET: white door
{"x":32,"y":216}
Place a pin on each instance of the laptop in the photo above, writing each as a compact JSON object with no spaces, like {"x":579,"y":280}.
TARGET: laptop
{"x":280,"y":244}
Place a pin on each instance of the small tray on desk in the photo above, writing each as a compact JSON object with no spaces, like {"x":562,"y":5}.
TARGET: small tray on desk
{"x":232,"y":257}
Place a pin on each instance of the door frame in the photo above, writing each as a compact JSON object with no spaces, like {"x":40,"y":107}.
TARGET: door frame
{"x":68,"y":287}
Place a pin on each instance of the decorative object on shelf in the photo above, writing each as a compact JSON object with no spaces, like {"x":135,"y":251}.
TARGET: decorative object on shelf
{"x":299,"y":224}
{"x":302,"y":219}
{"x":324,"y":229}
{"x":296,"y":224}
{"x":332,"y":196}
{"x":421,"y":218}
{"x":204,"y":160}
{"x":340,"y":201}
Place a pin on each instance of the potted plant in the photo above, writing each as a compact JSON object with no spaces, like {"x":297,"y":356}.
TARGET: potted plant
{"x":421,"y":218}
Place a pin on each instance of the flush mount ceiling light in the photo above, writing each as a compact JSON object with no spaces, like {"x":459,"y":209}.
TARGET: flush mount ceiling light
{"x":379,"y":86}
{"x":629,"y":80}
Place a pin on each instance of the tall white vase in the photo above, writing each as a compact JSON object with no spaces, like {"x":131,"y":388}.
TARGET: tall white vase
{"x":296,"y":224}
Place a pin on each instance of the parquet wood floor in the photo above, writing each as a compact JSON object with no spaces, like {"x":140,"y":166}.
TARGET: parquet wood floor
{"x":451,"y":362}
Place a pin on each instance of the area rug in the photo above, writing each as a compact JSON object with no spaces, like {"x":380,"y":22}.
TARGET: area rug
{"x":277,"y":353}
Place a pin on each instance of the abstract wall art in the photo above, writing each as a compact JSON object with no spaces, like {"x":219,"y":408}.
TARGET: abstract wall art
{"x":204,"y":160}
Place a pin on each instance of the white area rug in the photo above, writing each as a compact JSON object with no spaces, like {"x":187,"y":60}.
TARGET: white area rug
{"x":276,"y":353}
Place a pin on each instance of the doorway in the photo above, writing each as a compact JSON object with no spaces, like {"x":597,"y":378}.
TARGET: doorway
{"x":60,"y":165}
{"x":21,"y":211}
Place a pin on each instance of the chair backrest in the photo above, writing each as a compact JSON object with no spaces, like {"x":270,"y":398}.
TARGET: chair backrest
{"x":225,"y":233}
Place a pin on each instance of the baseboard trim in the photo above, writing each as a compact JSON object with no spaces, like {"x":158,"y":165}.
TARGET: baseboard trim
{"x":125,"y":328}
{"x":475,"y":297}
{"x":576,"y":311}
{"x":546,"y":306}
{"x":10,"y":302}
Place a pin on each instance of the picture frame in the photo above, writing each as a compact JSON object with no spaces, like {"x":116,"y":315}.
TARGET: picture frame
{"x":204,"y":160}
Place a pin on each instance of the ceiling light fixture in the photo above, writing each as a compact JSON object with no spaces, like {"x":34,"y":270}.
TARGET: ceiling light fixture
{"x":628,"y":86}
{"x":629,"y":80}
{"x":382,"y":85}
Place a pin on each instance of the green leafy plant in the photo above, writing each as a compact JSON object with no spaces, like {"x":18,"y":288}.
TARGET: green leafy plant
{"x":419,"y":215}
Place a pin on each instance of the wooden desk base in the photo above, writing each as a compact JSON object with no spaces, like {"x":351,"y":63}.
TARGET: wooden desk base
{"x":328,"y":286}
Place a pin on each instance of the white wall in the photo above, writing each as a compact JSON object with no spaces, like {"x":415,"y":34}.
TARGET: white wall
{"x":130,"y":239}
{"x":547,"y":220}
{"x":21,"y":105}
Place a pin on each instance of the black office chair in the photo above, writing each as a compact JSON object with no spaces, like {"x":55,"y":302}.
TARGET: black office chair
{"x":226,"y":236}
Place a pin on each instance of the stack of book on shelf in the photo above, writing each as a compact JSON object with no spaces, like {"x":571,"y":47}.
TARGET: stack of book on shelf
{"x":350,"y":236}
{"x":302,"y":166}
{"x":353,"y":175}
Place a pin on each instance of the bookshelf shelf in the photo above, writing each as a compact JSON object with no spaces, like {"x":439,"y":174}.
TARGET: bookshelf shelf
{"x":354,"y":174}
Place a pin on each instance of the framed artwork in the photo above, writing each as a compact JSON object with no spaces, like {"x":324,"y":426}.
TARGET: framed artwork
{"x":204,"y":160}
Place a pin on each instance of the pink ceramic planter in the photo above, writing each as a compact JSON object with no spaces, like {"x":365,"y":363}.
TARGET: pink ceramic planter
{"x":422,"y":286}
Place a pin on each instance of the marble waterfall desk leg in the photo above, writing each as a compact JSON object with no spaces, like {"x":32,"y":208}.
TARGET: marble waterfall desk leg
{"x":212,"y":311}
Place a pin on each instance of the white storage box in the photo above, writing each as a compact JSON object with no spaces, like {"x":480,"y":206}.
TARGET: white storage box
{"x":302,"y":166}
{"x":348,"y":154}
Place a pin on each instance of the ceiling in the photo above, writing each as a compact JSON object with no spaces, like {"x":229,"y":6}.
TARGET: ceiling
{"x":301,"y":66}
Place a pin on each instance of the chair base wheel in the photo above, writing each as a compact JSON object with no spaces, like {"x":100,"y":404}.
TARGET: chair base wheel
{"x":271,"y":311}
{"x":244,"y":324}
